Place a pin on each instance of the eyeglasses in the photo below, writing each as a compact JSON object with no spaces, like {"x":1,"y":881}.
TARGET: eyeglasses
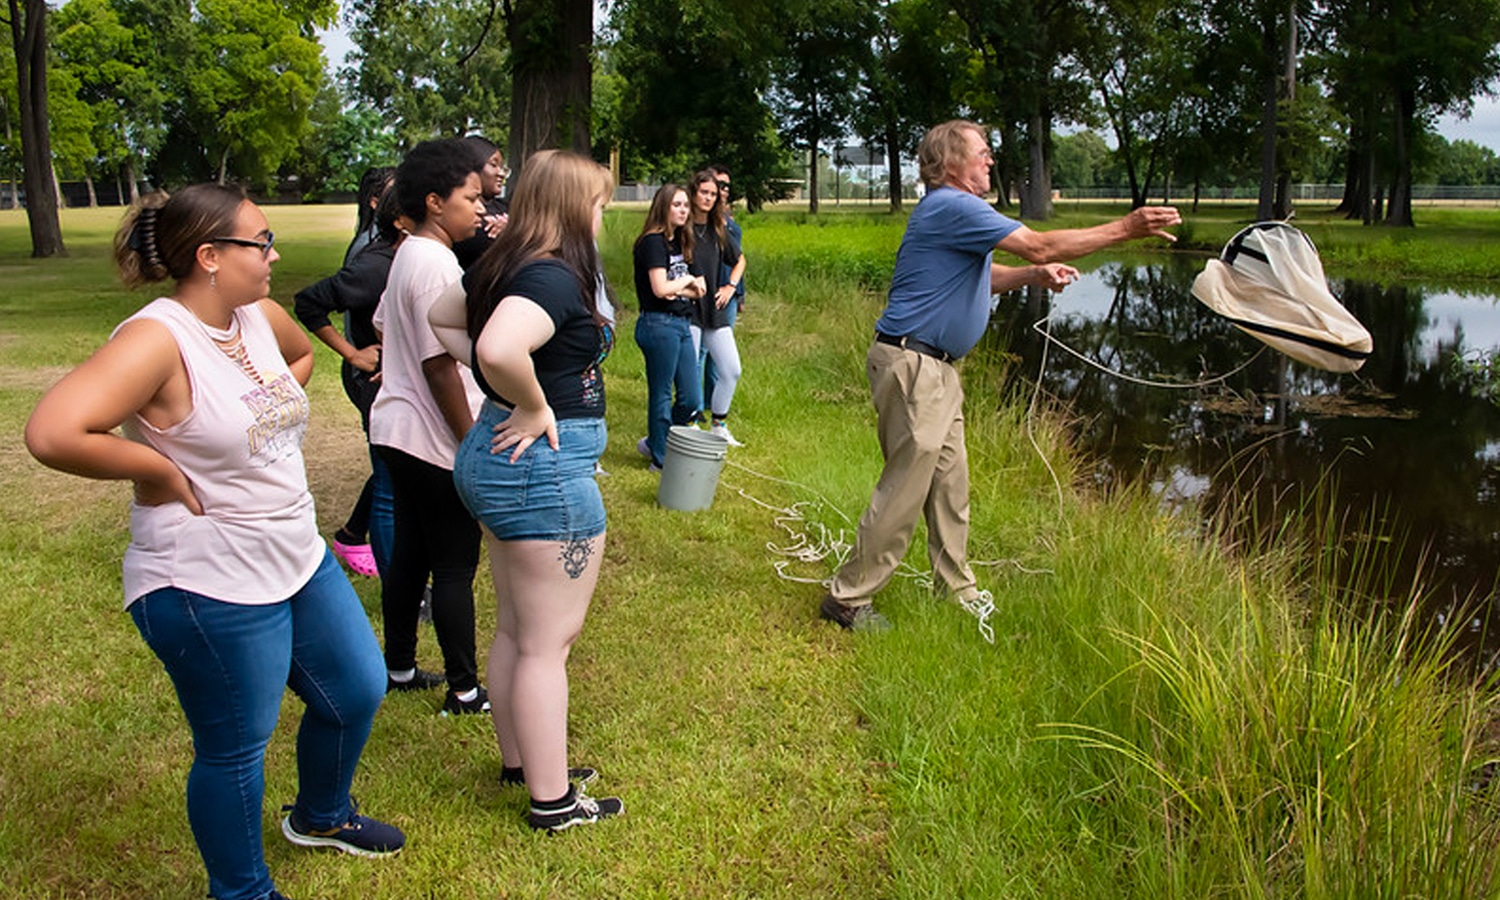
{"x":265,"y":245}
{"x":504,"y":173}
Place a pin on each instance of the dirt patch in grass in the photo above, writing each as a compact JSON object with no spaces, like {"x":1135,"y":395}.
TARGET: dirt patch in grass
{"x":30,"y":378}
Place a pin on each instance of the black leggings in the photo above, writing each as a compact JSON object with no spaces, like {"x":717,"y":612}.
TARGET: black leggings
{"x":436,"y":536}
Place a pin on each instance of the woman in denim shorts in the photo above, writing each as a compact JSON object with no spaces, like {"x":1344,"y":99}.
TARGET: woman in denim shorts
{"x":527,"y":317}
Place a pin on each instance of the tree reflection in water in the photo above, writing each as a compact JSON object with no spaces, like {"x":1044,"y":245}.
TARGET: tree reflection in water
{"x":1404,"y":453}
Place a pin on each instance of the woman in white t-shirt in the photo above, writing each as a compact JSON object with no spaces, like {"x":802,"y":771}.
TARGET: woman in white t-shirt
{"x":427,"y":402}
{"x":226,"y":576}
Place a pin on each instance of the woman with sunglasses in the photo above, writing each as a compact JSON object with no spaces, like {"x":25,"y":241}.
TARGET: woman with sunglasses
{"x":226,"y":576}
{"x":528,"y":318}
{"x":716,"y":259}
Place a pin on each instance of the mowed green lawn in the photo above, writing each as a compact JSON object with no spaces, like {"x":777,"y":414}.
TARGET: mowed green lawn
{"x":1156,"y":718}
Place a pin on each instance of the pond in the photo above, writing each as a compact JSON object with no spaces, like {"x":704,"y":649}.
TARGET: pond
{"x":1408,"y":447}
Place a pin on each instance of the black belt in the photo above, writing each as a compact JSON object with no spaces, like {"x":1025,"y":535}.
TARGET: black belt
{"x":911,"y":343}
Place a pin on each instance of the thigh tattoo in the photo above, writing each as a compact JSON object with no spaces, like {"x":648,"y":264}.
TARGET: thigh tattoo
{"x":575,"y":556}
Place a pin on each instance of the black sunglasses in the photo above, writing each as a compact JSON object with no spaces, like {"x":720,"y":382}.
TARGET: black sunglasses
{"x":265,"y":245}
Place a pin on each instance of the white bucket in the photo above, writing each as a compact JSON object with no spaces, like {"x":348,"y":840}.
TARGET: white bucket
{"x":690,"y":469}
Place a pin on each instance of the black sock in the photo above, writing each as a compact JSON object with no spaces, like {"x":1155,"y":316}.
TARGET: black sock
{"x":345,"y":536}
{"x":512,"y":775}
{"x":562,"y":803}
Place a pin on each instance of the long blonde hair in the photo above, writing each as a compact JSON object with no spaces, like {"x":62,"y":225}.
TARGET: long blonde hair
{"x":551,"y":214}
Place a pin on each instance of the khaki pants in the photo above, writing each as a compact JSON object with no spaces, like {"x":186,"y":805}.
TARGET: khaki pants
{"x":919,"y":401}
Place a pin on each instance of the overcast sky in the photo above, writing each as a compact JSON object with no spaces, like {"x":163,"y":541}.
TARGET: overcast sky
{"x":1483,"y":127}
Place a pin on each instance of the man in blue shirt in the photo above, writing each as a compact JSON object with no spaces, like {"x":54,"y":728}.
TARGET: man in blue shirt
{"x":936,"y":311}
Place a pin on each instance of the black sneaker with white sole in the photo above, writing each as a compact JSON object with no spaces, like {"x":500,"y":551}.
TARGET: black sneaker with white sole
{"x":421,"y":680}
{"x":452,"y":706}
{"x":360,"y":835}
{"x":582,"y":810}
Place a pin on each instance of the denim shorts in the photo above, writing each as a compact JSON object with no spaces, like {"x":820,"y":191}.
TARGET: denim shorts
{"x":546,"y":495}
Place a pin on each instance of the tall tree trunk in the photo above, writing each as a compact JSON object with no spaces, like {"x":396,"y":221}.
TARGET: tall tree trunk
{"x":1036,"y":193}
{"x":1152,"y":158}
{"x":812,"y":178}
{"x":135,"y":188}
{"x":88,"y":182}
{"x":1283,"y":201}
{"x":1265,"y":207}
{"x":1132,"y":175}
{"x":28,"y":30}
{"x":1356,"y":191}
{"x":130,"y":176}
{"x":893,"y":166}
{"x":1003,"y":174}
{"x":551,"y":45}
{"x":1398,"y":209}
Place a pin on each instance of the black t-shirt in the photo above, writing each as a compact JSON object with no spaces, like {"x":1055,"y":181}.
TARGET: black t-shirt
{"x":567,"y":366}
{"x":712,"y":262}
{"x":654,"y":251}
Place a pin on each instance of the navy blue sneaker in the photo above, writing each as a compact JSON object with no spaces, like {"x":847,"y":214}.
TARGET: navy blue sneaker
{"x":361,"y":835}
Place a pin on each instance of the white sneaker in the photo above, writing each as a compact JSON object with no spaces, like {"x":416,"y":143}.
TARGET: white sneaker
{"x":721,"y":430}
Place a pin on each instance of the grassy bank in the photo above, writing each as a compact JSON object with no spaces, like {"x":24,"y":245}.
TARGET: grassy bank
{"x":1154,"y":719}
{"x":1451,"y":245}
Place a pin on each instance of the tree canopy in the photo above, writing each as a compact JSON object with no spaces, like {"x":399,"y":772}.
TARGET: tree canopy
{"x":1191,"y":92}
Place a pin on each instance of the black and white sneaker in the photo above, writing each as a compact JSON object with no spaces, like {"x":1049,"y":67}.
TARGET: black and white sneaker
{"x":421,"y":680}
{"x":452,"y":706}
{"x":577,"y":808}
{"x":360,"y":835}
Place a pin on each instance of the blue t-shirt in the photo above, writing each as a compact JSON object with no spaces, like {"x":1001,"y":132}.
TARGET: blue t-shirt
{"x":940,"y":290}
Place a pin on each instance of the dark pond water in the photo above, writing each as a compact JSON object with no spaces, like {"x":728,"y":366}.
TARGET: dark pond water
{"x":1410,"y":442}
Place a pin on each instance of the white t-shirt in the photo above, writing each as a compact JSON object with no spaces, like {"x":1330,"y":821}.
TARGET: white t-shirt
{"x":240,"y":447}
{"x":405,"y":415}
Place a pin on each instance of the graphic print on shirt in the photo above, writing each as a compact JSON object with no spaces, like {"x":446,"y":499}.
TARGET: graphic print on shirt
{"x":676,"y":267}
{"x":280,"y":412}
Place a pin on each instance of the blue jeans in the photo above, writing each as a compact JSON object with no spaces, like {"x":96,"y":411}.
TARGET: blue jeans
{"x":230,"y":664}
{"x":666,"y":342}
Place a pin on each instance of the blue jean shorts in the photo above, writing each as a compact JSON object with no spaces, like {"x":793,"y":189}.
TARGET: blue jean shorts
{"x":546,"y":495}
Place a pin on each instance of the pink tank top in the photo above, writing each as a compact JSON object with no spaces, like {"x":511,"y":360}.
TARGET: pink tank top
{"x":240,"y":447}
